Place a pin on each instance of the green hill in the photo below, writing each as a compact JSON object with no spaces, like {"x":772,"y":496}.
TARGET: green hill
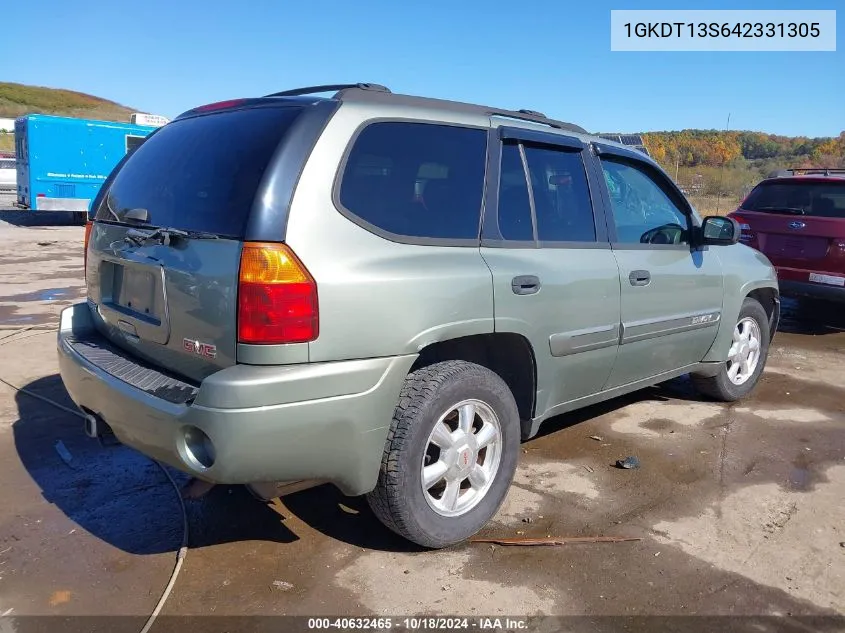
{"x":18,"y":99}
{"x":711,"y":164}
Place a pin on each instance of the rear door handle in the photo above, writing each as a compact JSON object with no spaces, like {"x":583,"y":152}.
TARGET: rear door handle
{"x":639,"y":278}
{"x":525,"y":285}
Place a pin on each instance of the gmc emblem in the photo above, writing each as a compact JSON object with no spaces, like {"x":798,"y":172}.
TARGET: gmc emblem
{"x":206,"y":350}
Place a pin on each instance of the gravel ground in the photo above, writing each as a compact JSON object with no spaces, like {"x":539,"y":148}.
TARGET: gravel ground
{"x":739,"y":507}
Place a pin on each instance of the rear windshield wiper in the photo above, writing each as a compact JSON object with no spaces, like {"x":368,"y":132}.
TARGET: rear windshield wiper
{"x":164,"y":235}
{"x":792,"y":210}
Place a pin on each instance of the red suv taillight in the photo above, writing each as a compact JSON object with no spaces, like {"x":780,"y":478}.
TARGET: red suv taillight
{"x":277,"y":297}
{"x":747,"y":235}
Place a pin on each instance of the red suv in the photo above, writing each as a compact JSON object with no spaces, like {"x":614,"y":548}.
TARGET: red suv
{"x":797,"y":219}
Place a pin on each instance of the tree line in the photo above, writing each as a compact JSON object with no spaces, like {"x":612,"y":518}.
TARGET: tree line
{"x":711,"y":164}
{"x":713,"y":148}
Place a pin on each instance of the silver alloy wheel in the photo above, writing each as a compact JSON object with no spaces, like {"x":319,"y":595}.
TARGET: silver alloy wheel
{"x":462,"y":456}
{"x":744,"y":354}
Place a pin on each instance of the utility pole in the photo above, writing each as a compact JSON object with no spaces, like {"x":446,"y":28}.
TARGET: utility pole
{"x":722,"y":172}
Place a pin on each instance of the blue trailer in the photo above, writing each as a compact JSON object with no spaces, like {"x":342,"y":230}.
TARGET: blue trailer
{"x":62,"y":162}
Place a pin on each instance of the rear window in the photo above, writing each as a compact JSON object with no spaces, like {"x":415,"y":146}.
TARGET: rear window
{"x":822,"y":199}
{"x":419,"y":180}
{"x":200,"y":173}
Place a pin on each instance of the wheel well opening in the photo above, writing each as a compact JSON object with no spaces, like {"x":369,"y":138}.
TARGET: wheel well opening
{"x":770,"y":300}
{"x":507,"y":354}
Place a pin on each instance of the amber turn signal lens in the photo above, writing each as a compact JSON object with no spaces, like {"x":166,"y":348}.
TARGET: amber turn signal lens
{"x":263,"y":263}
{"x":277,"y":297}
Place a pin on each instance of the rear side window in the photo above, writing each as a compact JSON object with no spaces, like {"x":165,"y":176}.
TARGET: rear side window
{"x":821,"y":199}
{"x":199,"y":173}
{"x":417,"y":180}
{"x":559,"y":190}
{"x":515,"y":221}
{"x":561,"y":195}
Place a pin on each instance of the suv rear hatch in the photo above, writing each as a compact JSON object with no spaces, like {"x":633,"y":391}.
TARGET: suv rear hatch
{"x":164,"y":252}
{"x":797,"y":222}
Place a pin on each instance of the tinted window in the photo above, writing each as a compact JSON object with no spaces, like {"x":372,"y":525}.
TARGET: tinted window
{"x":643,"y":211}
{"x":417,"y":179}
{"x":824,"y":199}
{"x":514,"y":204}
{"x":561,"y":195}
{"x":200,"y":173}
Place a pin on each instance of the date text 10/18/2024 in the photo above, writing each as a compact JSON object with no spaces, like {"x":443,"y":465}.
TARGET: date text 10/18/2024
{"x":420,"y":624}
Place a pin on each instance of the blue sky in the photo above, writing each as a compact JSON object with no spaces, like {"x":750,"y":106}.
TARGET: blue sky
{"x":548,"y":55}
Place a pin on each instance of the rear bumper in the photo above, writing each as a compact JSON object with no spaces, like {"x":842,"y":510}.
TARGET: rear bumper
{"x":320,"y":421}
{"x":811,"y":290}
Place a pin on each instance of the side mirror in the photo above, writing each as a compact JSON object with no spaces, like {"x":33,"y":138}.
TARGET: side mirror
{"x":717,"y":230}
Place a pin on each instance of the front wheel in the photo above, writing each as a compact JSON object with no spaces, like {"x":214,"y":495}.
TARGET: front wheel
{"x":746,"y":357}
{"x":450,"y":454}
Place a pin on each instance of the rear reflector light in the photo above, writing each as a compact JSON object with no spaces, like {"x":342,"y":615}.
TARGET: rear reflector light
{"x":88,"y":226}
{"x":41,"y":195}
{"x":277,"y":297}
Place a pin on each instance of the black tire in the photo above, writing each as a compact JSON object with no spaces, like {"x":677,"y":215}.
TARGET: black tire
{"x":720,"y":387}
{"x":398,"y":499}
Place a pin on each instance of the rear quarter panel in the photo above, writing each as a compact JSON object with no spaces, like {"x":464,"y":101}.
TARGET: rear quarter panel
{"x":378,"y":297}
{"x":745,"y":270}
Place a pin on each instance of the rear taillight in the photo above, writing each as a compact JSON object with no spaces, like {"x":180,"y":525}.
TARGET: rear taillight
{"x":746,"y":233}
{"x":277,"y":297}
{"x":88,"y":226}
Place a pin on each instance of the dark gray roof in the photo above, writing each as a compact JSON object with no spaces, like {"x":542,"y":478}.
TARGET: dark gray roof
{"x":376,"y":93}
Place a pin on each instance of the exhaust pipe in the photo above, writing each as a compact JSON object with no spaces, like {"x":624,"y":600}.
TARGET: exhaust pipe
{"x":91,"y":426}
{"x":96,"y":428}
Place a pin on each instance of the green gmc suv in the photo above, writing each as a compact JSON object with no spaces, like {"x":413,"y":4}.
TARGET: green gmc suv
{"x":387,"y":293}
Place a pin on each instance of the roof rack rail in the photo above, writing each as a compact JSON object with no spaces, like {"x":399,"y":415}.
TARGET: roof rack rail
{"x":355,"y":93}
{"x":826,"y":171}
{"x":310,"y":90}
{"x":533,"y":118}
{"x":532,"y":112}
